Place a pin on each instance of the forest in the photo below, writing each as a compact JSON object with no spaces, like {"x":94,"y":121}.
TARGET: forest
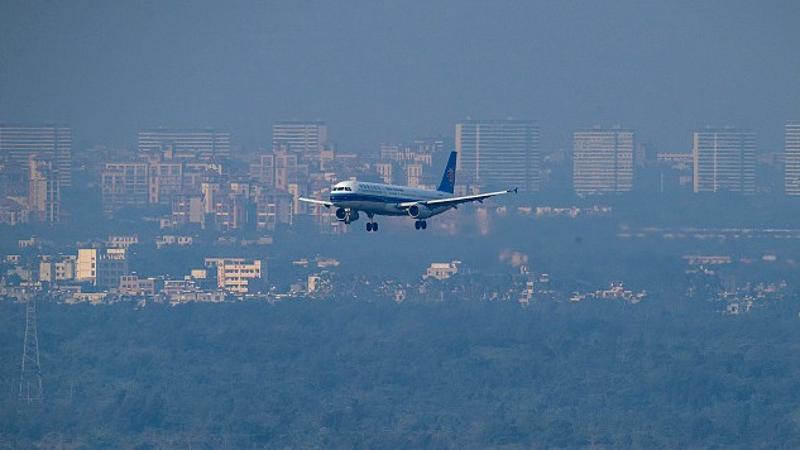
{"x":667,"y":373}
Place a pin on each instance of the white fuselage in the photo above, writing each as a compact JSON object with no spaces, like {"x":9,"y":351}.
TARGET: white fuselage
{"x":381,"y":199}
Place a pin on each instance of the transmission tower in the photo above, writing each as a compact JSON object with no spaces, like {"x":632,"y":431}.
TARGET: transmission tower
{"x":30,"y":378}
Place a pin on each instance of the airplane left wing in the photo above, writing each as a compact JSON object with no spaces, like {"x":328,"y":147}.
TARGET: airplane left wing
{"x":316,"y":202}
{"x":453,"y":201}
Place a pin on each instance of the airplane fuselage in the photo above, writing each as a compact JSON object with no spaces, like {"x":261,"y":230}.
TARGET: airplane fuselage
{"x":381,"y":199}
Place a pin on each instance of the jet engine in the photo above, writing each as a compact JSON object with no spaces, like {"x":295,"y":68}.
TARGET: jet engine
{"x":346,"y":215}
{"x":420,"y":211}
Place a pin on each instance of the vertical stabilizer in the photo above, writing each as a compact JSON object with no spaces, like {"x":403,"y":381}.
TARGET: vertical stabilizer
{"x":449,"y":176}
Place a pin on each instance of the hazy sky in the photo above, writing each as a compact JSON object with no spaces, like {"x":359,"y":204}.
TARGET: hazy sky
{"x":389,"y":71}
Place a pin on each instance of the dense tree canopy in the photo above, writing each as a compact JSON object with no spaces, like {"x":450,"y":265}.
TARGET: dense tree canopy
{"x":383,"y":375}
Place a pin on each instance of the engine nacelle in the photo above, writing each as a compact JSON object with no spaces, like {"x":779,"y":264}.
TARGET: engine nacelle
{"x":420,"y":211}
{"x":346,"y":215}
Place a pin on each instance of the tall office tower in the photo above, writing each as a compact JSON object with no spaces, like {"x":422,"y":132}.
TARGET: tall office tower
{"x":602,"y":161}
{"x":792,"y":158}
{"x":205,"y":145}
{"x":724,"y":160}
{"x":498,"y":154}
{"x":53,"y":143}
{"x":44,"y":190}
{"x":305,"y":138}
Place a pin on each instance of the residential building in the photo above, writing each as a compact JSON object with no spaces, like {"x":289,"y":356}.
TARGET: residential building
{"x":44,"y":190}
{"x":159,"y":179}
{"x":442,"y":271}
{"x":602,"y":161}
{"x":122,"y":241}
{"x":52,"y":143}
{"x":414,"y":175}
{"x":384,"y":170}
{"x":237,"y":275}
{"x":498,"y":154}
{"x":124,"y":184}
{"x":112,"y":265}
{"x":13,"y":211}
{"x":307,"y":139}
{"x":263,"y":170}
{"x":201,"y":144}
{"x":792,"y":158}
{"x":135,"y":286}
{"x":56,"y":269}
{"x":188,"y":209}
{"x":724,"y":161}
{"x":102,"y":267}
{"x":86,"y":265}
{"x":273,"y":208}
{"x":173,"y":240}
{"x":675,"y":171}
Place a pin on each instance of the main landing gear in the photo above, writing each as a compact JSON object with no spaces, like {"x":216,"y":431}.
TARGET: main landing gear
{"x":420,"y":225}
{"x":371,"y":225}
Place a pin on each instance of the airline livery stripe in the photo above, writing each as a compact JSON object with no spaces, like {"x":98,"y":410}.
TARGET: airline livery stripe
{"x":371,"y":198}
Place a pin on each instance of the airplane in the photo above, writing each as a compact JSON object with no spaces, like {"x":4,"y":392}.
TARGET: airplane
{"x":377,"y":199}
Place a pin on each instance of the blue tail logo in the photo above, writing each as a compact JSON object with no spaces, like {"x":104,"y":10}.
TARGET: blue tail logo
{"x":449,"y":176}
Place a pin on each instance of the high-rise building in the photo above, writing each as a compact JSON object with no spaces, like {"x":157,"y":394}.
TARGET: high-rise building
{"x":44,"y":190}
{"x":498,"y":154}
{"x":54,"y":143}
{"x":724,"y":160}
{"x":792,"y":158}
{"x":205,"y":145}
{"x":602,"y":161}
{"x":305,"y":138}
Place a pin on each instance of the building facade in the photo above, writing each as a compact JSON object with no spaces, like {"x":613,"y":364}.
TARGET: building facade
{"x":44,"y":191}
{"x":54,"y":143}
{"x":602,"y":161}
{"x":124,"y":185}
{"x":203,"y":145}
{"x":498,"y":154}
{"x":792,"y":158}
{"x":236,"y":275}
{"x":724,"y":161}
{"x":304,"y":138}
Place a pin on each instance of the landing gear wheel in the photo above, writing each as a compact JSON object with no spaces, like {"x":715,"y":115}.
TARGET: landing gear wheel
{"x":375,"y":226}
{"x":369,"y":227}
{"x":416,"y":225}
{"x":424,"y":224}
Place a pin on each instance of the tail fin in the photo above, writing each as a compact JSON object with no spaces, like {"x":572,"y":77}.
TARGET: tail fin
{"x":449,"y":176}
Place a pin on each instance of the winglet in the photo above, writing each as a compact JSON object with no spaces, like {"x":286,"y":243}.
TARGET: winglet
{"x":515,"y":190}
{"x":449,"y":177}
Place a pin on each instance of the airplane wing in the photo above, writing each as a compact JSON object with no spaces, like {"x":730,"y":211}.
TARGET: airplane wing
{"x":453,"y":201}
{"x":316,"y":202}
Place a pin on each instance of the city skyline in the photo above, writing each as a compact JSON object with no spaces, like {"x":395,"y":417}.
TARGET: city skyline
{"x":693,"y":67}
{"x":442,"y":224}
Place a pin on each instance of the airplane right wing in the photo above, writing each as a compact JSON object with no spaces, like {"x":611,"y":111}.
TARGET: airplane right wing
{"x":316,"y":202}
{"x":453,"y":201}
